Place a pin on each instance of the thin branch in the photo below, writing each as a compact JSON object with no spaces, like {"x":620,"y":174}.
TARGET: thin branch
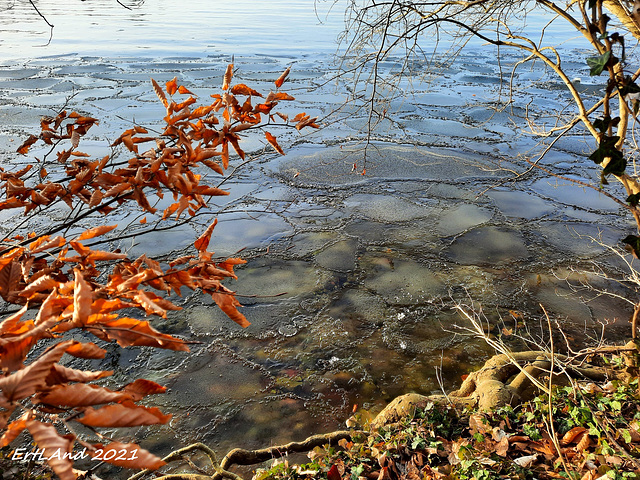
{"x":45,"y":20}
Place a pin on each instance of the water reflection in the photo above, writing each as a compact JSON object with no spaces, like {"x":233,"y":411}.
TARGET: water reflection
{"x":166,"y":28}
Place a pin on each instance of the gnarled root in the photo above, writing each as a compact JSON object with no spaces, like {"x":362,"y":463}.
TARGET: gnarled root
{"x":240,"y":456}
{"x":505,"y":379}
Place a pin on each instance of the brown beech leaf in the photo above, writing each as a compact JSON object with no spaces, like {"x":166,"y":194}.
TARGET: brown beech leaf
{"x":127,"y":455}
{"x":160,"y":93}
{"x":80,"y":395}
{"x":180,"y":106}
{"x":29,"y":380}
{"x":12,"y":202}
{"x":81,"y":119}
{"x":75,"y":139}
{"x":13,"y":353}
{"x":82,"y":299}
{"x":228,"y":75}
{"x":30,"y":329}
{"x":95,"y":232}
{"x":233,"y":139}
{"x":80,"y":248}
{"x":44,"y":283}
{"x":137,"y":279}
{"x":274,"y":143}
{"x":180,"y":260}
{"x":102,"y":255}
{"x":203,"y":154}
{"x":24,"y":148}
{"x":133,"y":332}
{"x":7,"y":258}
{"x":202,"y":242}
{"x":300,"y":116}
{"x":210,"y":191}
{"x":15,"y":428}
{"x":229,"y":263}
{"x":225,"y":155}
{"x":283,"y":96}
{"x":242,"y":89}
{"x":117,"y":190}
{"x":22,"y":171}
{"x":172,"y":86}
{"x":228,"y":304}
{"x":104,"y":305}
{"x":44,"y":243}
{"x":10,"y":278}
{"x":281,"y":79}
{"x":52,"y":306}
{"x":217,"y":273}
{"x":184,"y":90}
{"x":96,"y":198}
{"x":126,"y":414}
{"x":12,"y":324}
{"x":584,"y":443}
{"x":150,"y":307}
{"x":571,"y":435}
{"x":55,"y":446}
{"x":60,"y":374}
{"x":502,"y":447}
{"x":478,"y":423}
{"x":142,"y":387}
{"x":86,"y":350}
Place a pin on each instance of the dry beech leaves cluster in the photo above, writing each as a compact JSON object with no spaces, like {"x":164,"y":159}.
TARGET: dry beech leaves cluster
{"x":63,"y":284}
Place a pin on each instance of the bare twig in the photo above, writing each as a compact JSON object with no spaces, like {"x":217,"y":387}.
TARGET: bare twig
{"x":45,"y":20}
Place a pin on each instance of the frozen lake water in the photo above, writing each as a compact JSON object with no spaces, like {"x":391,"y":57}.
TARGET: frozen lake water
{"x":370,"y":266}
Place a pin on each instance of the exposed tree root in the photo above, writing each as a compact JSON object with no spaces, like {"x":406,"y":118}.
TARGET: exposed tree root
{"x":239,"y":456}
{"x":505,"y":379}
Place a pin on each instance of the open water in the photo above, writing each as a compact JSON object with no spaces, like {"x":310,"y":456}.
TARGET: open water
{"x":369,"y":266}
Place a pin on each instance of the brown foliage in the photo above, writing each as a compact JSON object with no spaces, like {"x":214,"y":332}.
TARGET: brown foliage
{"x":62,"y":283}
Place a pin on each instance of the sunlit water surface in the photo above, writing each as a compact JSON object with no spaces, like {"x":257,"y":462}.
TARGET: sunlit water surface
{"x":369,"y":267}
